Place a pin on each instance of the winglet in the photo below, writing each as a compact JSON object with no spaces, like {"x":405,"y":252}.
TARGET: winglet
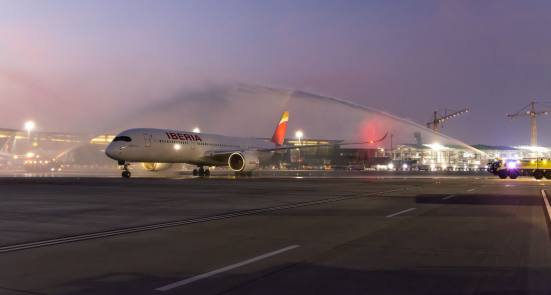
{"x":279,"y":133}
{"x":380,"y":139}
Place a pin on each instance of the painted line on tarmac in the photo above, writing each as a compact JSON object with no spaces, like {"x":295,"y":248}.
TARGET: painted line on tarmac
{"x":224,"y":269}
{"x":448,"y":197}
{"x":470,"y":190}
{"x":546,"y":202}
{"x":401,"y":212}
{"x":130,"y":230}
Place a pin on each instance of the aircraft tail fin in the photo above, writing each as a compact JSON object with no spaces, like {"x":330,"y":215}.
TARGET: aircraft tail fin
{"x":279,"y":133}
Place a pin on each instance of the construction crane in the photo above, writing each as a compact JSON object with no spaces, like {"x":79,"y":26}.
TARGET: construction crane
{"x":440,"y":117}
{"x":530,"y":111}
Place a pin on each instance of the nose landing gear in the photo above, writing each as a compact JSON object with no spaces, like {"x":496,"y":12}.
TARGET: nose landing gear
{"x":201,"y":172}
{"x":125,"y":172}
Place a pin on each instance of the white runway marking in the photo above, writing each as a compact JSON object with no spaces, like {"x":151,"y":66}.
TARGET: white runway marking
{"x":448,"y":197}
{"x":398,"y":213}
{"x":547,"y":205}
{"x":470,"y":190}
{"x":224,"y":269}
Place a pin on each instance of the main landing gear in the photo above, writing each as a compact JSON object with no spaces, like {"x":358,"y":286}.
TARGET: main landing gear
{"x":201,"y":172}
{"x":125,"y":172}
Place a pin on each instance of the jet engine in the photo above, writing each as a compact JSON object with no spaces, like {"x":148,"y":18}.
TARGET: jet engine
{"x":243,"y":161}
{"x":156,"y":166}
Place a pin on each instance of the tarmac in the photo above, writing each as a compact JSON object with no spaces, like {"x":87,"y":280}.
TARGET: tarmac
{"x":283,"y":235}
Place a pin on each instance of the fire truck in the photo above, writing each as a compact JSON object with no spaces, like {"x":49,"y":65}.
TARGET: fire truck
{"x":536,"y":167}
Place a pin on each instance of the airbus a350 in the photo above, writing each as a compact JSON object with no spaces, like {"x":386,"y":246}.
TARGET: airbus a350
{"x":165,"y":147}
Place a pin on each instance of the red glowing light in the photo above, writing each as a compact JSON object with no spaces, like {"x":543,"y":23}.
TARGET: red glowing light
{"x":372,"y":130}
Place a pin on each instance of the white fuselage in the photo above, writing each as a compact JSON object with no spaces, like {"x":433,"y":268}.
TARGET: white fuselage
{"x":172,"y":146}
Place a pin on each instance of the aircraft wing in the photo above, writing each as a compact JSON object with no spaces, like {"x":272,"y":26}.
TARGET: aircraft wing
{"x":325,"y":144}
{"x":216,"y":157}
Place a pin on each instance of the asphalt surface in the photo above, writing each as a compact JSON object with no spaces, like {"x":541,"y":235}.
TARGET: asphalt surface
{"x":391,"y":235}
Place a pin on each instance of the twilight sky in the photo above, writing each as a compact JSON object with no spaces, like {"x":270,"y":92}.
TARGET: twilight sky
{"x":68,"y":63}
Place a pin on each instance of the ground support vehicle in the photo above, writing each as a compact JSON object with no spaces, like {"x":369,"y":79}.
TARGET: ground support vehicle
{"x":536,"y":167}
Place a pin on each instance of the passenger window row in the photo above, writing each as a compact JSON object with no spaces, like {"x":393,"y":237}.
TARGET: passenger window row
{"x":198,"y":143}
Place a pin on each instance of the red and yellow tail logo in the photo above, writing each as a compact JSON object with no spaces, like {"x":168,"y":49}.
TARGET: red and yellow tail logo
{"x":279,"y":133}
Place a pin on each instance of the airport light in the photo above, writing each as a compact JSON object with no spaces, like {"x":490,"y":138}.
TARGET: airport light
{"x":299,"y":134}
{"x":196,"y":130}
{"x":436,"y":146}
{"x":29,"y":126}
{"x":535,"y":149}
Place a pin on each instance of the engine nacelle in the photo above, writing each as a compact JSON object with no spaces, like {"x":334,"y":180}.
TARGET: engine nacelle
{"x":243,"y":162}
{"x":156,"y":166}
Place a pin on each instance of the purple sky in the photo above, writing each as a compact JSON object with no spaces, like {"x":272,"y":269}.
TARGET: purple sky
{"x":64,"y":62}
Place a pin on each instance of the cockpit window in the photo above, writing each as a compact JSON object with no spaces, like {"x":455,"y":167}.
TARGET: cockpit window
{"x":122,"y":138}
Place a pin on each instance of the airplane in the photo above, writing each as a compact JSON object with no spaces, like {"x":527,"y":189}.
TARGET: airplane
{"x":159,"y":148}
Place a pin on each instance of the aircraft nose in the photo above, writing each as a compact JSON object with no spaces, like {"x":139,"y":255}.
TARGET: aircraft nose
{"x":111,"y":151}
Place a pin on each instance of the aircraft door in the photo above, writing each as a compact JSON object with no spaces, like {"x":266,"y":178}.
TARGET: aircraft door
{"x":147,"y":139}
